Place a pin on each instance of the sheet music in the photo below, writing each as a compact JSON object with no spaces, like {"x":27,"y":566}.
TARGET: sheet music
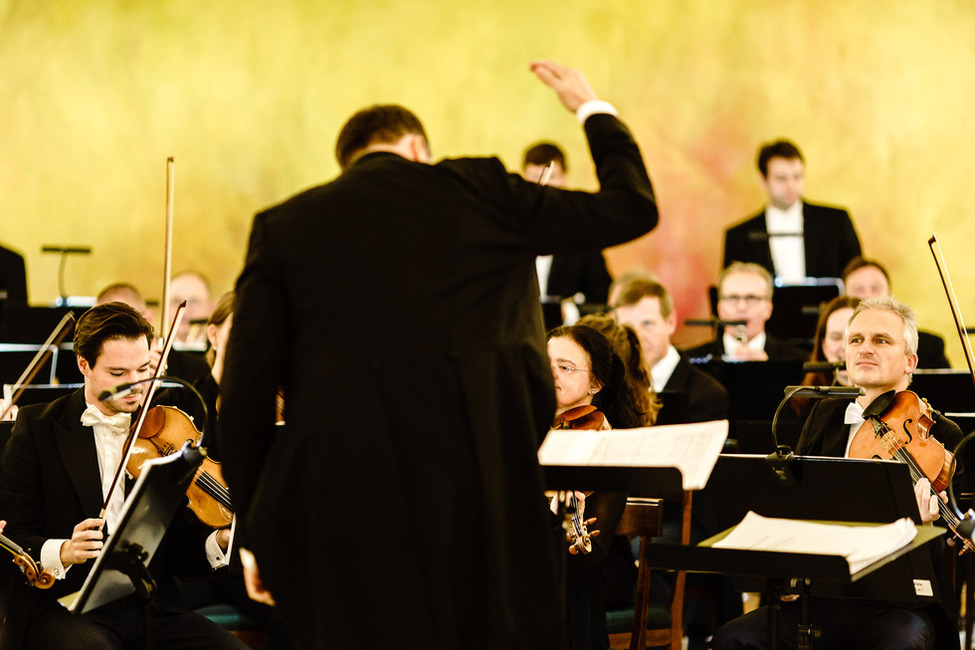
{"x":861,"y":545}
{"x":691,"y":448}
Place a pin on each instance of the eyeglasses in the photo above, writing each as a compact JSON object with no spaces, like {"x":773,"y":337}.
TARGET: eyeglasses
{"x":565,"y":370}
{"x":750,"y":299}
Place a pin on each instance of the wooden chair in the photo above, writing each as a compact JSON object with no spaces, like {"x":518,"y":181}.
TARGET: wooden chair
{"x":643,"y":518}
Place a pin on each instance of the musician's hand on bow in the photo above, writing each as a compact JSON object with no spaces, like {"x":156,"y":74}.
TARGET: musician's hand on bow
{"x":568,"y":83}
{"x":927,"y":504}
{"x":252,"y":579}
{"x":11,"y":415}
{"x":85,"y":542}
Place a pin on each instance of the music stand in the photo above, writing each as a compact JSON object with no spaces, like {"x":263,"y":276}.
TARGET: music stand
{"x":797,"y":308}
{"x":821,"y":492}
{"x":122,"y":566}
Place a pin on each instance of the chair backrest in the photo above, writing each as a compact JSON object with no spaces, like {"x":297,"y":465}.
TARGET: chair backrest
{"x":643,"y":518}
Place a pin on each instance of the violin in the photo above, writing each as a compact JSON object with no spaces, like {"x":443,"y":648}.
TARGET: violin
{"x":576,"y":529}
{"x":897,"y":426}
{"x":35,"y":578}
{"x":164,"y":432}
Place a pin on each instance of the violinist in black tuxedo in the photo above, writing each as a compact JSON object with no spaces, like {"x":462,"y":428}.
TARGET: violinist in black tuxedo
{"x":881,"y":355}
{"x":54,"y":477}
{"x":398,"y":307}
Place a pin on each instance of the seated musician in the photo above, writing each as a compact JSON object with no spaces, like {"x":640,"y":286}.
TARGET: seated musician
{"x":645,"y":305}
{"x":592,"y":392}
{"x":865,"y":278}
{"x":745,"y":293}
{"x":829,"y":342}
{"x":55,"y":477}
{"x":881,"y":355}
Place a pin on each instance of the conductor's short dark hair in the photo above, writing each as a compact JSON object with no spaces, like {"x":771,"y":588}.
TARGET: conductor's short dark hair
{"x":377,"y":124}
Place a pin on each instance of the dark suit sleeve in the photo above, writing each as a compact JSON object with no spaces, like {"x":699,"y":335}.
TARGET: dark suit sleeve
{"x":13,"y":276}
{"x":255,"y":366}
{"x":21,"y":502}
{"x":848,"y":239}
{"x":563,"y":221}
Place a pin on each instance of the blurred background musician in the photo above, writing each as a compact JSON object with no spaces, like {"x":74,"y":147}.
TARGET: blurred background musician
{"x":566,"y":274}
{"x":867,"y":278}
{"x":693,"y":395}
{"x":791,"y":238}
{"x":745,"y":293}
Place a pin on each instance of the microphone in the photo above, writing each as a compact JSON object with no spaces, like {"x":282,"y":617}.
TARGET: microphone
{"x":824,"y":367}
{"x":714,"y":322}
{"x":124,"y":389}
{"x":67,"y":250}
{"x":780,"y":460}
{"x":823,"y":391}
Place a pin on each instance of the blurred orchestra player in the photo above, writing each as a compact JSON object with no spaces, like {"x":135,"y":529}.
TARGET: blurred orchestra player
{"x":791,"y":238}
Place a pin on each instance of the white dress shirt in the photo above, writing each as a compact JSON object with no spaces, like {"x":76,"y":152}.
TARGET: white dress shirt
{"x":786,"y":242}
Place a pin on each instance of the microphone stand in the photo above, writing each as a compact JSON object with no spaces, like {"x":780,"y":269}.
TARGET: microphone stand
{"x":65,"y":251}
{"x":780,"y":460}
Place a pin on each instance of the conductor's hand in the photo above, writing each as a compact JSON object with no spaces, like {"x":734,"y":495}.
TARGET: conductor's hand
{"x":568,"y":83}
{"x":252,"y":579}
{"x":927,"y":502}
{"x":85,"y":542}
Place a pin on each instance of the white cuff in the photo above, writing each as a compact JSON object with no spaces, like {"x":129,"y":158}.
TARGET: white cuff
{"x":51,"y":558}
{"x":593,"y":107}
{"x":215,"y":556}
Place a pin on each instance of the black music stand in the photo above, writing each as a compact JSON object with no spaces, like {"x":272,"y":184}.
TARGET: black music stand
{"x":884,"y":493}
{"x":122,"y":566}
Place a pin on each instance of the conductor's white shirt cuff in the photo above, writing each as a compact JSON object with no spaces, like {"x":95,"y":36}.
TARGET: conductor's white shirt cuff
{"x":593,"y":107}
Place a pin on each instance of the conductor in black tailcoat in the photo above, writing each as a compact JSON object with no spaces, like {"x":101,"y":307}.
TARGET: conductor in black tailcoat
{"x":398,"y":308}
{"x":791,"y":238}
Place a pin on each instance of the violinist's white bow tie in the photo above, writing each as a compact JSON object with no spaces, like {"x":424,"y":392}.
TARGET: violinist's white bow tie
{"x":118,"y":423}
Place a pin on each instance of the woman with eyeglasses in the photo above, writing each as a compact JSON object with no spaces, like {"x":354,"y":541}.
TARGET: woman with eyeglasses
{"x":591,"y":393}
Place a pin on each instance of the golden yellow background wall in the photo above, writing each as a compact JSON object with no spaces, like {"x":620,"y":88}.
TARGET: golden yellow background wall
{"x":248,"y":98}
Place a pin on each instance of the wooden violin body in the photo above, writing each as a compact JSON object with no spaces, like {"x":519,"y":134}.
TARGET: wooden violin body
{"x":165,"y":430}
{"x":904,"y":429}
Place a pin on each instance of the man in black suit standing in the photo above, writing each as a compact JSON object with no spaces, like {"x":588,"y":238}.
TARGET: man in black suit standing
{"x":745,"y":294}
{"x":398,"y":308}
{"x":688,"y":394}
{"x":565,"y":275}
{"x":55,"y":474}
{"x":791,"y":238}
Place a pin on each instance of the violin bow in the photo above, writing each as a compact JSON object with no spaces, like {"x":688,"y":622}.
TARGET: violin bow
{"x":939,"y":261}
{"x":168,"y":252}
{"x":57,"y":336}
{"x":143,"y":407}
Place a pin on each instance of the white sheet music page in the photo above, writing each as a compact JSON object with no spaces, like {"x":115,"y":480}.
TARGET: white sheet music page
{"x":691,"y":448}
{"x":861,"y":545}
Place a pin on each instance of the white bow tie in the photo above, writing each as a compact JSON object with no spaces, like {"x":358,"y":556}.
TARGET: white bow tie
{"x":118,"y":423}
{"x":854,"y":414}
